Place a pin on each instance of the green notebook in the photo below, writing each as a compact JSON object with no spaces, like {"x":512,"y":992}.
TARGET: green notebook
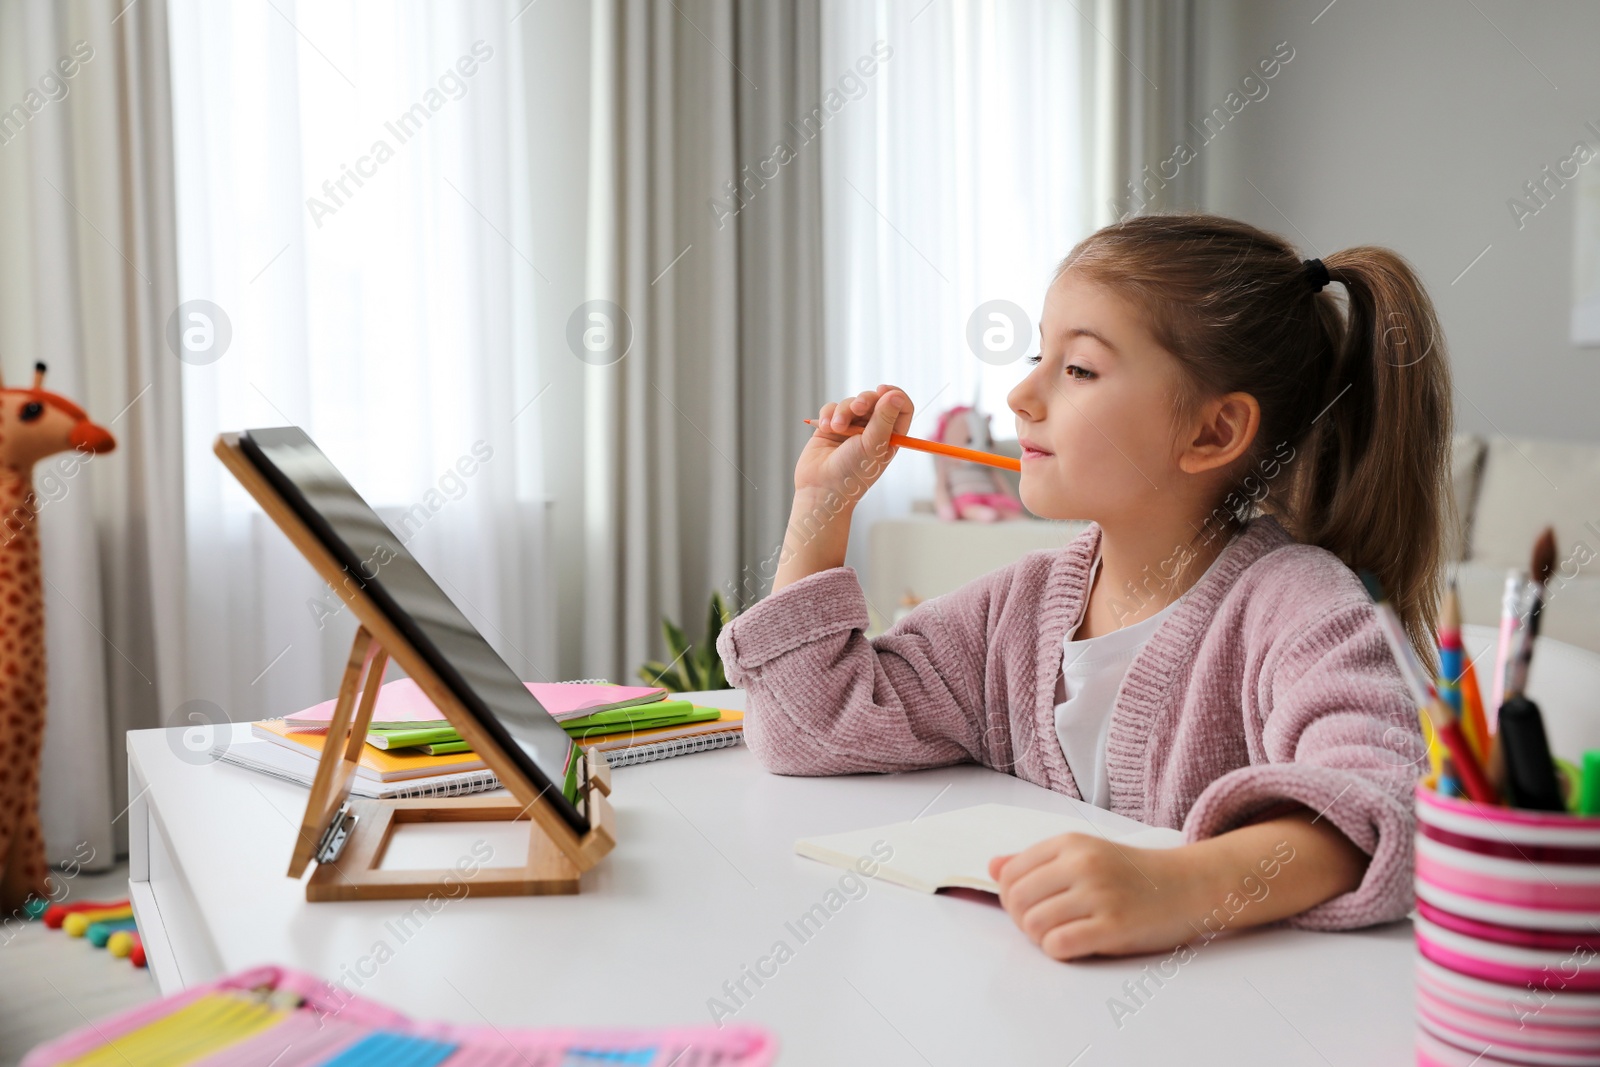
{"x":412,"y":737}
{"x":444,"y":741}
{"x":639,"y":717}
{"x":569,"y":788}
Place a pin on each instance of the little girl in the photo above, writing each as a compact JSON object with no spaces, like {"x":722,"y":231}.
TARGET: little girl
{"x":1203,"y":656}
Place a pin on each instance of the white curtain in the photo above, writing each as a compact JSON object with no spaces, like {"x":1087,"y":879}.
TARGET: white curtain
{"x":1144,"y":75}
{"x":961,"y":175}
{"x":352,"y":211}
{"x":704,"y":237}
{"x":86,"y":281}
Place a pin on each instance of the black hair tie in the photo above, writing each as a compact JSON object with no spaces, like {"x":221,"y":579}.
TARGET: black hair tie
{"x":1317,"y":271}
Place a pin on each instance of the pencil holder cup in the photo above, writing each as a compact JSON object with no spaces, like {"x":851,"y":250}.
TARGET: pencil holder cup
{"x":1508,"y":935}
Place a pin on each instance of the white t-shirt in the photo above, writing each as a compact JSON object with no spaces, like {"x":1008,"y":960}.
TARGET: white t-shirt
{"x":1091,"y":673}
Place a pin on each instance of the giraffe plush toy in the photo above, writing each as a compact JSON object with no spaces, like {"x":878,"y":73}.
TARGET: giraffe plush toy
{"x":33,"y":424}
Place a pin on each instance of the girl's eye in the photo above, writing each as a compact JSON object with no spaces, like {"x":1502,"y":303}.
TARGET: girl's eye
{"x":1078,"y":373}
{"x":1035,"y":358}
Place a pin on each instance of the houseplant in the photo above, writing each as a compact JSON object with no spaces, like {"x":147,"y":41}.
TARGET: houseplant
{"x":696,"y":667}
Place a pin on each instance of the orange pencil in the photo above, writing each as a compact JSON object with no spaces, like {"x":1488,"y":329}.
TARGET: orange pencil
{"x":900,"y":440}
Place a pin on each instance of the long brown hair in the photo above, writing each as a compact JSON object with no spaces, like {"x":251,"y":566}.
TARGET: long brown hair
{"x":1358,"y":389}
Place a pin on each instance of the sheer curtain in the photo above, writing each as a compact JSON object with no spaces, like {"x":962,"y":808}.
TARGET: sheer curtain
{"x":960,"y":176}
{"x":355,"y":259}
{"x":692,"y":433}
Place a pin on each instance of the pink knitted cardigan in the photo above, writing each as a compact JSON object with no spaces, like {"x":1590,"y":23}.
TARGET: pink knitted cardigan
{"x":1270,"y":684}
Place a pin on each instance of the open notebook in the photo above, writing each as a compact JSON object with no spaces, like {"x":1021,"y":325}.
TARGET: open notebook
{"x":953,"y":850}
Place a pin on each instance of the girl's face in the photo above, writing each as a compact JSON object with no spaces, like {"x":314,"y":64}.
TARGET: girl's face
{"x":1095,"y":415}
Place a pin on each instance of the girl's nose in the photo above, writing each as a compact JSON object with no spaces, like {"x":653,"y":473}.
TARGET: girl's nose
{"x":1021,"y":400}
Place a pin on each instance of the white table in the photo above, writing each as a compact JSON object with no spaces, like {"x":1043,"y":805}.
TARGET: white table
{"x":701,"y":884}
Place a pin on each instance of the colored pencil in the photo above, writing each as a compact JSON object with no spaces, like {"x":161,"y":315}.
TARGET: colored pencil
{"x":900,"y":440}
{"x":1423,"y":693}
{"x":1474,"y":723}
{"x":1450,"y":651}
{"x":1448,"y":685}
{"x":1495,"y":766}
{"x":1468,"y":770}
{"x":1458,"y":681}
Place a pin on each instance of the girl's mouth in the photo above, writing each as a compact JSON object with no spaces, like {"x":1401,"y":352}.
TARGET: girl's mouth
{"x":1030,"y":452}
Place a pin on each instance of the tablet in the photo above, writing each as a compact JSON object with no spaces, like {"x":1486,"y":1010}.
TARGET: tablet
{"x":376,"y":561}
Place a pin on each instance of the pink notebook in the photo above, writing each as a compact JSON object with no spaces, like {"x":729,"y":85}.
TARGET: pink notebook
{"x":402,"y":701}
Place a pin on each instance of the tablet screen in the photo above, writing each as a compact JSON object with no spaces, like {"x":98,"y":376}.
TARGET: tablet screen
{"x":376,"y":561}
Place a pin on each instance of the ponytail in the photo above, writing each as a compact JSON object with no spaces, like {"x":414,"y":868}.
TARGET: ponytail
{"x":1357,"y":399}
{"x":1373,"y":481}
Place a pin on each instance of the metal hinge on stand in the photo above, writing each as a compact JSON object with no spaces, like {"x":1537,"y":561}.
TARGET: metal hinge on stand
{"x":337,"y":833}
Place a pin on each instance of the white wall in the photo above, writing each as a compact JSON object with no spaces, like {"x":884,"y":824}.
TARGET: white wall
{"x":1410,"y":124}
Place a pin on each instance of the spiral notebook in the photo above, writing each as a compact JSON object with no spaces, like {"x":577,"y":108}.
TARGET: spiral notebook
{"x":678,"y":746}
{"x":264,"y":757}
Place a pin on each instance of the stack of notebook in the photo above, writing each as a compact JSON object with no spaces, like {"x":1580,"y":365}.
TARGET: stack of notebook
{"x":413,"y":750}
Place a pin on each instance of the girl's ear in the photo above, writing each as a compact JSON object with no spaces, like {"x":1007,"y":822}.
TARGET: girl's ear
{"x":1223,"y":430}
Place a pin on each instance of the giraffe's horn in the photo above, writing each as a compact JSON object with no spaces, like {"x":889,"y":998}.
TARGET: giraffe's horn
{"x":38,"y":375}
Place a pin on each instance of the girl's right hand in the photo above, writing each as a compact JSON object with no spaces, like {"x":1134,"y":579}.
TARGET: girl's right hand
{"x":833,"y":462}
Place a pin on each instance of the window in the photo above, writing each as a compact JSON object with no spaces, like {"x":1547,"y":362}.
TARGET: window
{"x":959,"y":177}
{"x":352,"y":222}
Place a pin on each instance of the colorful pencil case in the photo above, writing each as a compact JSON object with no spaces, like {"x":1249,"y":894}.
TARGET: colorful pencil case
{"x":1508,"y":935}
{"x":272,"y":1015}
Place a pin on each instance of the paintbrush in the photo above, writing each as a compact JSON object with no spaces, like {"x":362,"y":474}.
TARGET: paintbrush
{"x":1521,"y":755}
{"x":1510,"y":621}
{"x":1540,"y":566}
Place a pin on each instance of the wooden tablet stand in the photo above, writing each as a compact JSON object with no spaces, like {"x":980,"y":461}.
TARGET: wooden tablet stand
{"x":348,"y":838}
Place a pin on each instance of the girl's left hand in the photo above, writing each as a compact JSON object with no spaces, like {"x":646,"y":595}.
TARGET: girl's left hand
{"x":1082,"y":895}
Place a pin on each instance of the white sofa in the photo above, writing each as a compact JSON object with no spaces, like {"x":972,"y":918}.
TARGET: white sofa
{"x":1506,"y":490}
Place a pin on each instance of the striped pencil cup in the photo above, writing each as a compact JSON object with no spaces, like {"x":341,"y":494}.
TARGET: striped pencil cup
{"x":1508,"y":935}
